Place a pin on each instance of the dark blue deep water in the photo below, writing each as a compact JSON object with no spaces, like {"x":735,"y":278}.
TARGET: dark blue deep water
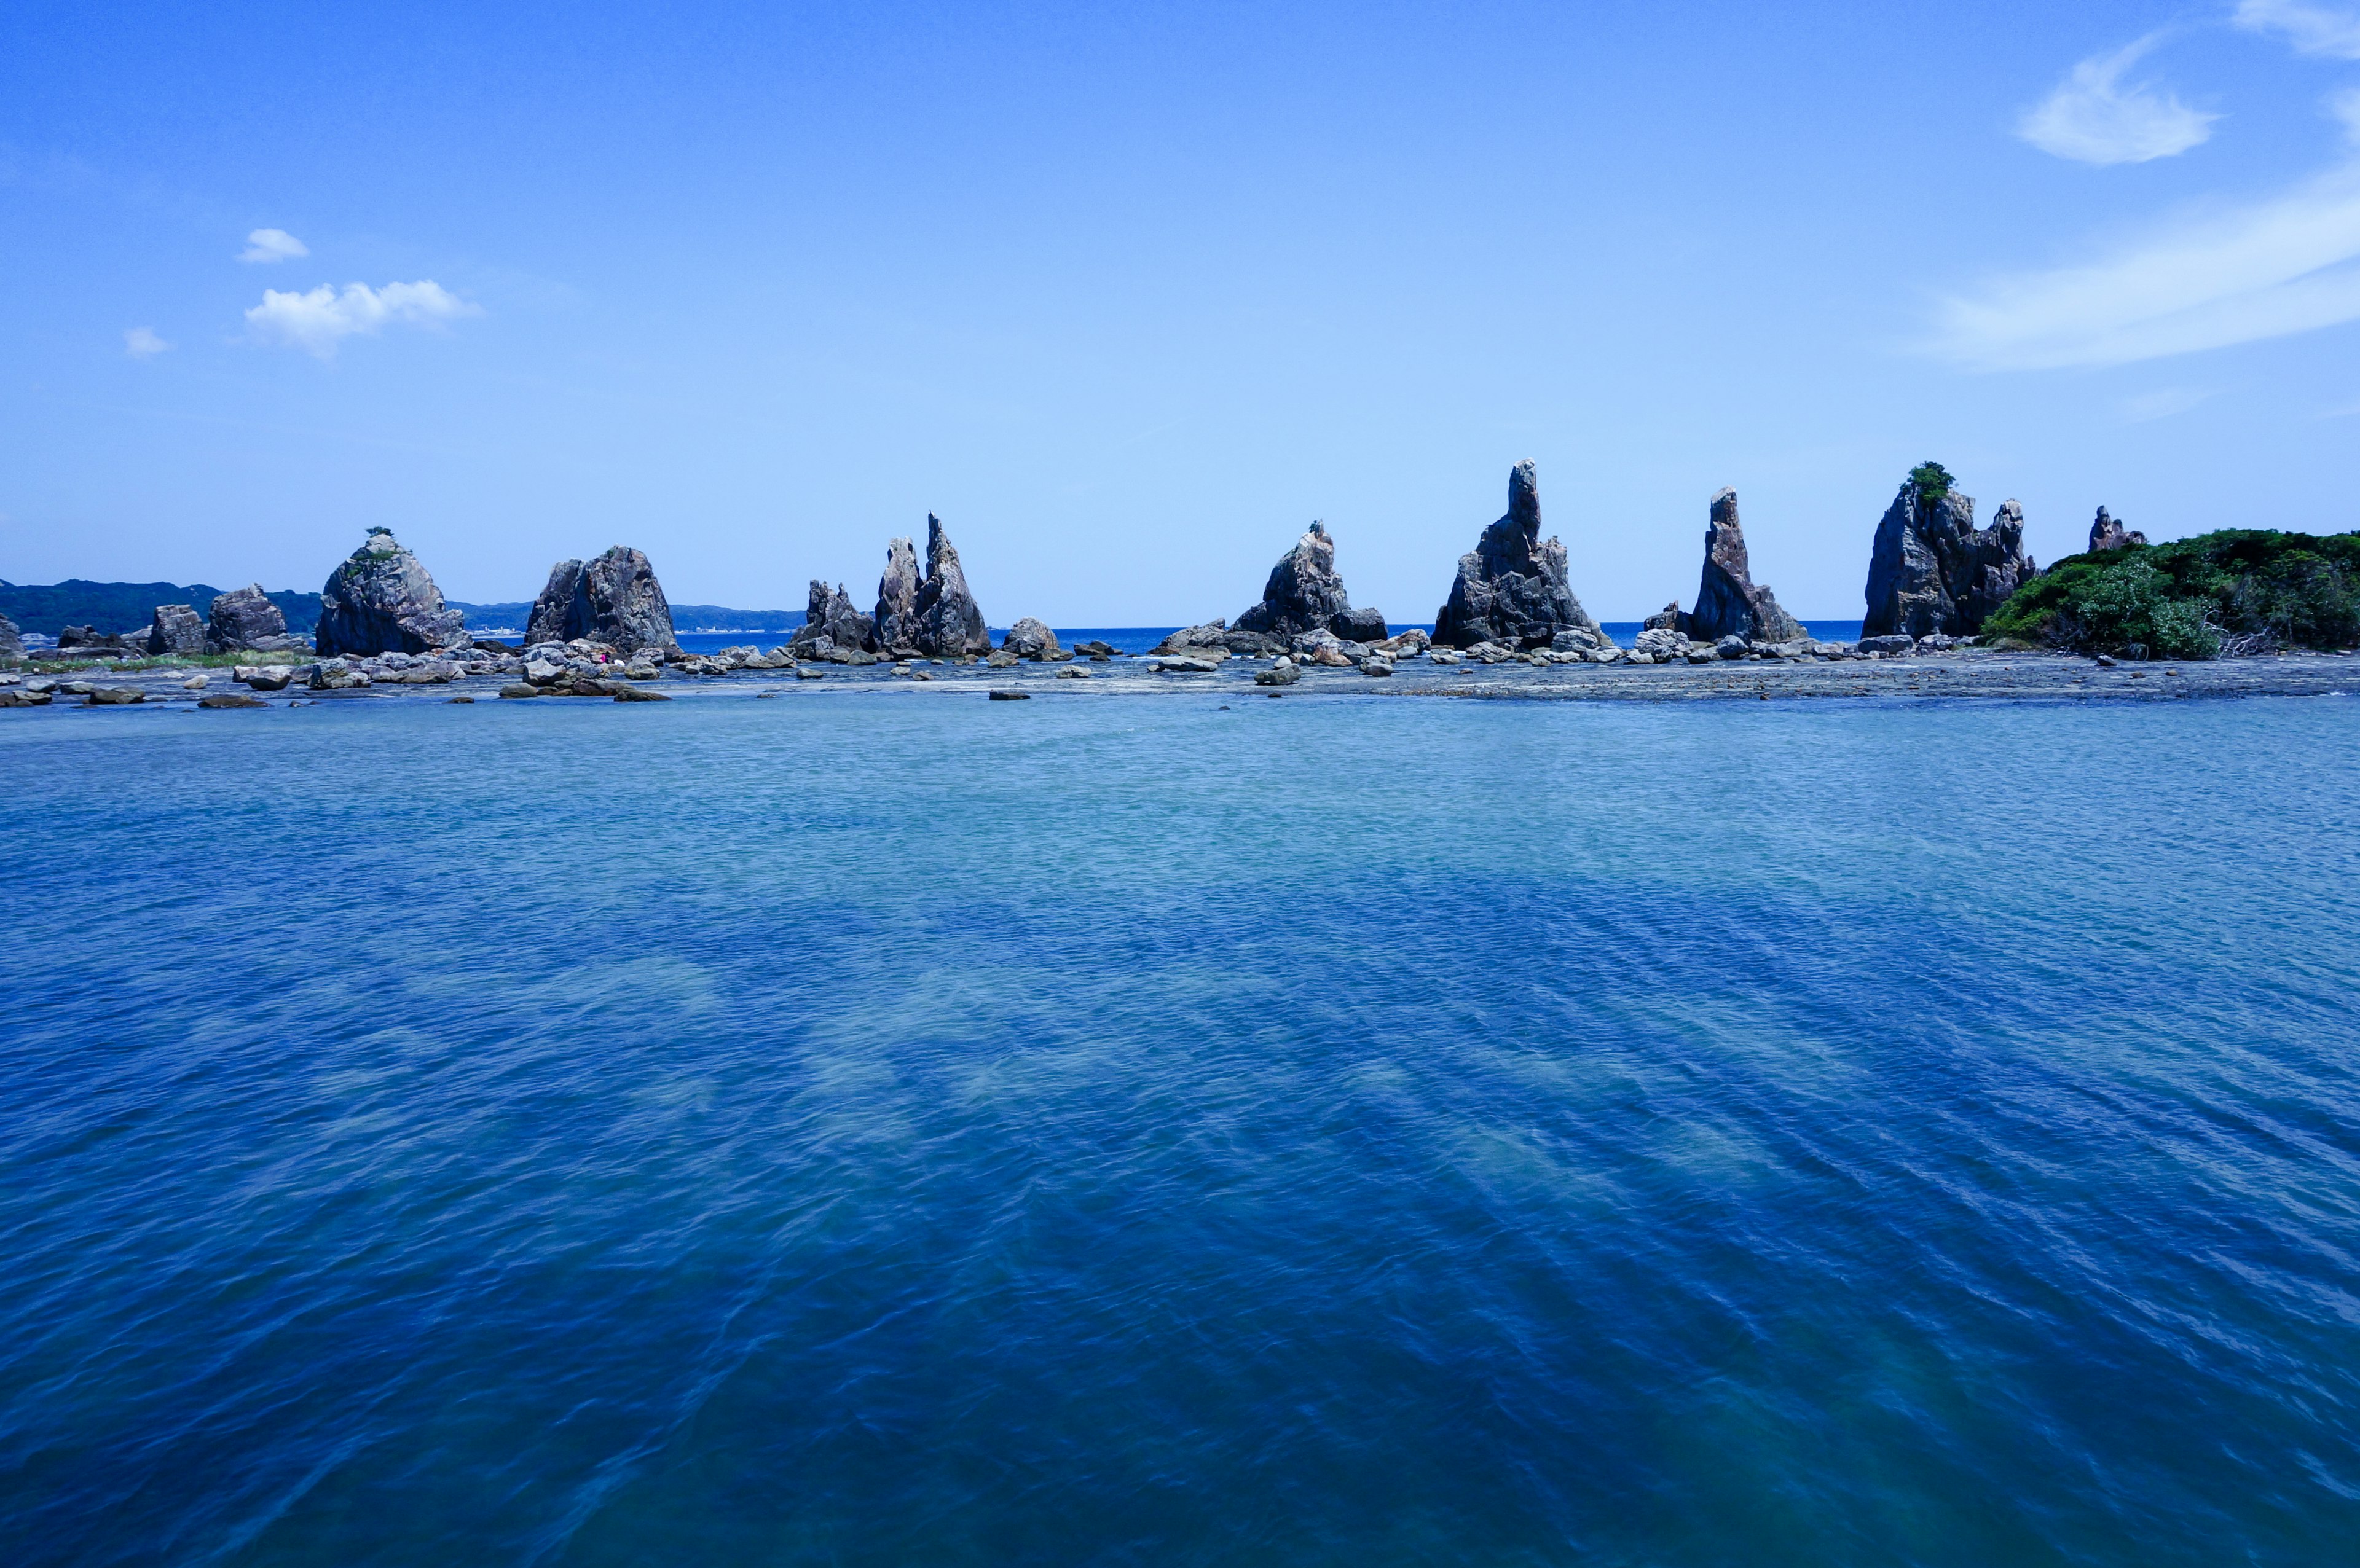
{"x":892,"y":1128}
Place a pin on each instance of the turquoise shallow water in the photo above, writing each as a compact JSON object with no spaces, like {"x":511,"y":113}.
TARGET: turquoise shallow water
{"x":895,"y":1127}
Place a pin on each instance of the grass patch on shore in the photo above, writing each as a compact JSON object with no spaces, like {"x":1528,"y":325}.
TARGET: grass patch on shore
{"x":2236,"y":590}
{"x":49,"y":662}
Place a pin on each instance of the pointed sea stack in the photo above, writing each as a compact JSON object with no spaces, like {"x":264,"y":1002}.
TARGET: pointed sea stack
{"x":1729,"y":603}
{"x":245,"y":617}
{"x":1932,"y":569}
{"x":1511,"y":587}
{"x":949,"y":625}
{"x":381,"y":600}
{"x":897,"y":598}
{"x":614,"y":599}
{"x":1304,"y":595}
{"x":829,"y":614}
{"x":2108,"y":534}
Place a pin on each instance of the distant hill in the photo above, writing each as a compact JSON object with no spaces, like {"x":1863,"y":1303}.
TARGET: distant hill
{"x":127,"y":606}
{"x":130,"y":607}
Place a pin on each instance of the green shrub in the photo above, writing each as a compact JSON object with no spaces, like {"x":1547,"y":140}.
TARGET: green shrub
{"x":1933,"y":481}
{"x":2242,"y":587}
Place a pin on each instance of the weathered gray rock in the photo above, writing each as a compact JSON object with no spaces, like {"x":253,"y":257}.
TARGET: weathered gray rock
{"x":94,"y":640}
{"x":244,"y":617}
{"x":1029,"y":638}
{"x":628,"y":694}
{"x":897,"y":597}
{"x":12,"y":641}
{"x":1305,"y":594}
{"x":1889,"y":644}
{"x":264,"y":677}
{"x":1511,"y":588}
{"x":114,"y":696}
{"x":2108,"y":534}
{"x":177,"y":629}
{"x":230,"y":700}
{"x":1666,"y":619}
{"x":1283,"y":673}
{"x":829,"y":618}
{"x":614,"y":599}
{"x":380,"y":598}
{"x":1932,"y":569}
{"x":949,"y":623}
{"x":1662,"y":642}
{"x":1210,"y":640}
{"x":1729,"y":602}
{"x":1578,"y":640}
{"x":1730,"y":647}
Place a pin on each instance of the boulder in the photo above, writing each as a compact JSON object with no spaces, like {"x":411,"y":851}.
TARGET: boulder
{"x":1028,"y":639}
{"x":830,"y":623}
{"x":1305,"y":594}
{"x":1071,"y":672}
{"x":1210,"y":640}
{"x":1511,"y":588}
{"x":380,"y":598}
{"x":264,"y":678}
{"x":1579,"y":640}
{"x":92,"y":639}
{"x":1095,"y":648}
{"x":948,"y":623}
{"x":1662,"y":642}
{"x":177,"y":629}
{"x":112,"y":696}
{"x":1666,"y":619}
{"x":1730,"y":647}
{"x":244,"y":617}
{"x":614,"y":599}
{"x":2108,"y":534}
{"x":1889,"y":644}
{"x":1376,"y":667}
{"x":638,"y":694}
{"x":897,"y":597}
{"x":1932,"y":569}
{"x":230,"y":700}
{"x":1182,"y":664}
{"x":12,"y":641}
{"x":25,"y":699}
{"x":1283,"y":673}
{"x":1729,"y":602}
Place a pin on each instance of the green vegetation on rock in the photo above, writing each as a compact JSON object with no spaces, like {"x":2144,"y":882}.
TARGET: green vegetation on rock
{"x":2237,"y":591}
{"x":1933,"y":480}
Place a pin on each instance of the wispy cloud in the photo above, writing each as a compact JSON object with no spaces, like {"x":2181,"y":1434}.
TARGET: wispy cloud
{"x":141,"y":342}
{"x":2313,"y":29}
{"x":2093,"y":117}
{"x":2267,"y":270}
{"x":272,"y":246}
{"x":2161,"y":404}
{"x":317,"y":321}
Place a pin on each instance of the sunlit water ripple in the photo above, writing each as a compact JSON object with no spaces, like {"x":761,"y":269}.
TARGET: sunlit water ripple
{"x":1331,"y":1131}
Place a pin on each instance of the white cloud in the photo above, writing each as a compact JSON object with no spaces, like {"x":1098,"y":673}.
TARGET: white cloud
{"x":2093,"y":118}
{"x":2313,"y":29}
{"x":2345,"y":106}
{"x":317,"y":321}
{"x":2161,"y":404}
{"x":272,"y":244}
{"x":140,"y":342}
{"x":2269,"y":270}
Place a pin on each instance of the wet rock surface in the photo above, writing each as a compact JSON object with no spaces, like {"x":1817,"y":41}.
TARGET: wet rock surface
{"x":1513,"y":589}
{"x":381,"y":600}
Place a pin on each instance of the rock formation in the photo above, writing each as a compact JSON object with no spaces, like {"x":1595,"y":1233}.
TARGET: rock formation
{"x":90,"y":636}
{"x":614,"y":599}
{"x":1511,"y":587}
{"x":1932,"y":569}
{"x":829,"y":614}
{"x":381,"y":600}
{"x":950,"y":624}
{"x":12,"y":641}
{"x":177,"y":629}
{"x":1729,"y":603}
{"x":1029,"y":638}
{"x":2108,"y":534}
{"x":1304,"y":595}
{"x":245,"y":617}
{"x":897,"y":598}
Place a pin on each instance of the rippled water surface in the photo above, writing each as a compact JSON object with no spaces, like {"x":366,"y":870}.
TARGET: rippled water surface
{"x":899,"y":1128}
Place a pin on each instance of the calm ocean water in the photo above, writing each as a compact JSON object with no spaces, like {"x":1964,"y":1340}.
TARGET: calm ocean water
{"x":891,"y":1127}
{"x":1138,"y":639}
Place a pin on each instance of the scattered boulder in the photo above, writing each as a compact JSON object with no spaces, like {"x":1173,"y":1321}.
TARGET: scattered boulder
{"x":381,"y":599}
{"x":12,"y":641}
{"x":176,"y":630}
{"x":519,"y":688}
{"x":1071,"y":672}
{"x":1305,"y":594}
{"x":1012,"y":696}
{"x":26,"y":698}
{"x":114,"y":696}
{"x":2108,"y":534}
{"x":830,"y":622}
{"x":628,"y":694}
{"x":897,"y":597}
{"x":1579,"y":640}
{"x":1729,"y":602}
{"x":1731,"y":647}
{"x":264,"y":678}
{"x":948,"y":623}
{"x":1028,"y":639}
{"x":245,"y":617}
{"x":1662,"y":642}
{"x":1932,"y":569}
{"x":1890,"y":644}
{"x":1511,"y":588}
{"x":230,"y":700}
{"x":91,"y":639}
{"x":1095,"y":648}
{"x":1666,"y":619}
{"x":1210,"y":641}
{"x":614,"y":599}
{"x":1283,"y":673}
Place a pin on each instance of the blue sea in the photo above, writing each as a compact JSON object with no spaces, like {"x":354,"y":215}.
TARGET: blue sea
{"x":891,"y":1127}
{"x":1138,"y":639}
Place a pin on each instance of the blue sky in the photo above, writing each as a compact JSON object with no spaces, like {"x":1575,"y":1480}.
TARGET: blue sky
{"x":1130,"y":295}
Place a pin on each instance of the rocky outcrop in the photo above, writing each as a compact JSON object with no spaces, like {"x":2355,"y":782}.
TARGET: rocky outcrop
{"x":1932,"y":569}
{"x":829,"y":614}
{"x":90,"y":637}
{"x":12,"y":641}
{"x":1511,"y":588}
{"x":950,"y":624}
{"x":1729,"y":603}
{"x":1029,"y":638}
{"x":245,"y":617}
{"x":177,"y":629}
{"x":2108,"y":534}
{"x":381,"y":600}
{"x":1305,"y":594}
{"x":614,"y":599}
{"x":897,"y":598}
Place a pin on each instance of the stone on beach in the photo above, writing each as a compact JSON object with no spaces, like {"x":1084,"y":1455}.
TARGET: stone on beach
{"x":230,"y":700}
{"x":614,"y":599}
{"x":1931,"y":570}
{"x":380,"y":598}
{"x":1513,"y":587}
{"x":1729,"y":602}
